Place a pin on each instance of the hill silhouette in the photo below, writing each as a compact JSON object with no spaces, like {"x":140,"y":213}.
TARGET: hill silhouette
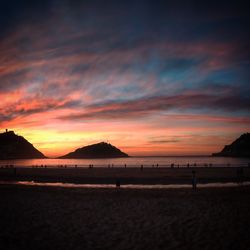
{"x":239,"y":148}
{"x":99,"y":150}
{"x":13,"y":146}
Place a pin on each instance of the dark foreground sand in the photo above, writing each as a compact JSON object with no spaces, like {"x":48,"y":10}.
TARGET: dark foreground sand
{"x":65,"y":218}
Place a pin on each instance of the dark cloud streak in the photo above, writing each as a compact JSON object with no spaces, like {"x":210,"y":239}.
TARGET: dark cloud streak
{"x":148,"y":105}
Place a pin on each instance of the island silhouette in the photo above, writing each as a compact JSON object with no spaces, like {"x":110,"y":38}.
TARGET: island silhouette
{"x":13,"y":146}
{"x":239,"y":148}
{"x":98,"y":150}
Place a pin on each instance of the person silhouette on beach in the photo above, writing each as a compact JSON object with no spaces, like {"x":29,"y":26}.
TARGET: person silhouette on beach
{"x":194,"y":180}
{"x":118,"y":183}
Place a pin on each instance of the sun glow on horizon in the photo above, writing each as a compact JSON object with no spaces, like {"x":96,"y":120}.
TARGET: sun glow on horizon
{"x":54,"y":143}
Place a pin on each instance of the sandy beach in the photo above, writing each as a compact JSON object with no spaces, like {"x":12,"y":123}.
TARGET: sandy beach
{"x":125,"y":175}
{"x":59,"y":218}
{"x":42,"y":217}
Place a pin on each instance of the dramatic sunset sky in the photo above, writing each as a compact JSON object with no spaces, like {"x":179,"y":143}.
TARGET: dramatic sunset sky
{"x":150,"y":77}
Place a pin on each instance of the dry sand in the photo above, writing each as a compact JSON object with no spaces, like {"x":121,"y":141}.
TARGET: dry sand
{"x":60,"y":218}
{"x":125,"y":175}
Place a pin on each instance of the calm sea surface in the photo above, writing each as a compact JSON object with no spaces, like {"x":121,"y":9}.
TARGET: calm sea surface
{"x":200,"y":161}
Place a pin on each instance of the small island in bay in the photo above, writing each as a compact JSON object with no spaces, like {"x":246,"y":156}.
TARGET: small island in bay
{"x":99,"y":150}
{"x":13,"y":146}
{"x":239,"y":148}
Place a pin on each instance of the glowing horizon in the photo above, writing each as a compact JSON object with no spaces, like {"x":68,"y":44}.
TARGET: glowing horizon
{"x":151,"y":78}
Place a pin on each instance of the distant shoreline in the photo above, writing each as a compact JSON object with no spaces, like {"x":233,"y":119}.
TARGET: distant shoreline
{"x":132,"y":175}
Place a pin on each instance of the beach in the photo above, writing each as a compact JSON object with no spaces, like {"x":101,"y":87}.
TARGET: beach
{"x":149,"y":176}
{"x":138,"y":217}
{"x":75,"y":218}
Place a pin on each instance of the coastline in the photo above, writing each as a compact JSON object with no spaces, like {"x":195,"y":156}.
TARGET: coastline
{"x":146,"y":176}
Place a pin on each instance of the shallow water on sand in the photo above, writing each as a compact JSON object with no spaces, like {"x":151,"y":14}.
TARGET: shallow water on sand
{"x":130,"y":186}
{"x":182,"y":161}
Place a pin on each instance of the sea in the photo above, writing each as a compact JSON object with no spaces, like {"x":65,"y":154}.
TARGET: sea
{"x":169,"y":161}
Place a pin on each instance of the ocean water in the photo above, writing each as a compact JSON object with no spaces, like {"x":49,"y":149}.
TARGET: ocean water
{"x":181,"y":161}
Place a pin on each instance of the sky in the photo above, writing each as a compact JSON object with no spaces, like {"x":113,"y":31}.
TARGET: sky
{"x":150,"y":77}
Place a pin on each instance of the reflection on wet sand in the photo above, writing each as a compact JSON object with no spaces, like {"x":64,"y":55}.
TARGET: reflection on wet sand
{"x":129,"y":186}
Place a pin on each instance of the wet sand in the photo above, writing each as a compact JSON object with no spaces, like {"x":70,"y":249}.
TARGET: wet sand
{"x":59,"y":218}
{"x":125,"y":175}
